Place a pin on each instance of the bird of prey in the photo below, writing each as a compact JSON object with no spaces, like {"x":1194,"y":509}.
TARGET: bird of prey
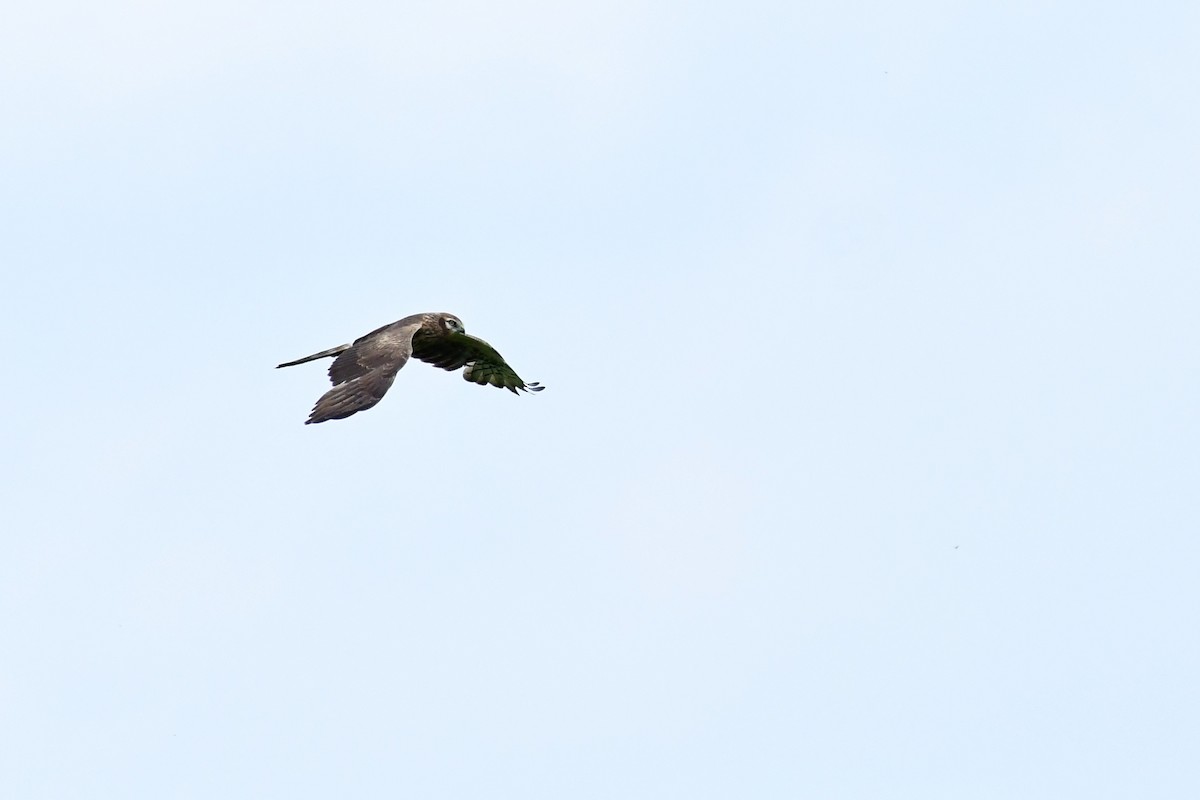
{"x":363,"y":371}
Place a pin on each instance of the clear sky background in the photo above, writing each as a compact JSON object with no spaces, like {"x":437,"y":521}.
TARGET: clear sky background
{"x":868,"y":465}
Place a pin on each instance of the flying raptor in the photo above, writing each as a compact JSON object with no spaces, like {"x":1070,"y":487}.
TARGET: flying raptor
{"x":362,"y":372}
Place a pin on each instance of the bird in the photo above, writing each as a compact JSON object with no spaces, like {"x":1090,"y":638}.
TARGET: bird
{"x":363,"y":370}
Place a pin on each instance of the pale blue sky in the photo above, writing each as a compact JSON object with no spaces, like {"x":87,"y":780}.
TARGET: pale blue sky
{"x":868,"y":465}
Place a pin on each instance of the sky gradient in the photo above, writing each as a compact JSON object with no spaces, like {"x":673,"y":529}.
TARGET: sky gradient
{"x":867,"y":466}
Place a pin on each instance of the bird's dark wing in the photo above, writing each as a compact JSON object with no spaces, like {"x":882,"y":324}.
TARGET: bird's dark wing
{"x":483,"y":364}
{"x":363,"y":373}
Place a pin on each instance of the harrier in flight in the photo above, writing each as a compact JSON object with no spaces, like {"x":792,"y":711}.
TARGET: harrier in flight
{"x":362,"y":372}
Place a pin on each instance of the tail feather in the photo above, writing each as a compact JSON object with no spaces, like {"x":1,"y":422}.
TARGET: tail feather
{"x":333,"y":351}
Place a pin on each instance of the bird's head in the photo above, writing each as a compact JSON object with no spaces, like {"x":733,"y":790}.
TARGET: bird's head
{"x":452,"y":324}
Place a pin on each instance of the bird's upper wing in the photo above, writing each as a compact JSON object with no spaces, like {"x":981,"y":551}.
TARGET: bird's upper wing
{"x":363,"y":373}
{"x":483,"y":364}
{"x":382,"y":347}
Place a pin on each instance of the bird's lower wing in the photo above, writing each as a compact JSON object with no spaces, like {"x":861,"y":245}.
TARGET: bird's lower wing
{"x":354,"y":395}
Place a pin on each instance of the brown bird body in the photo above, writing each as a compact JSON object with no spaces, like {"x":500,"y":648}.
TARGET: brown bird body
{"x":363,"y":371}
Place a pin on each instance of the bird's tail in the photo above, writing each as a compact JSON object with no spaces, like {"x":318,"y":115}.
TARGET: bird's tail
{"x":333,"y":351}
